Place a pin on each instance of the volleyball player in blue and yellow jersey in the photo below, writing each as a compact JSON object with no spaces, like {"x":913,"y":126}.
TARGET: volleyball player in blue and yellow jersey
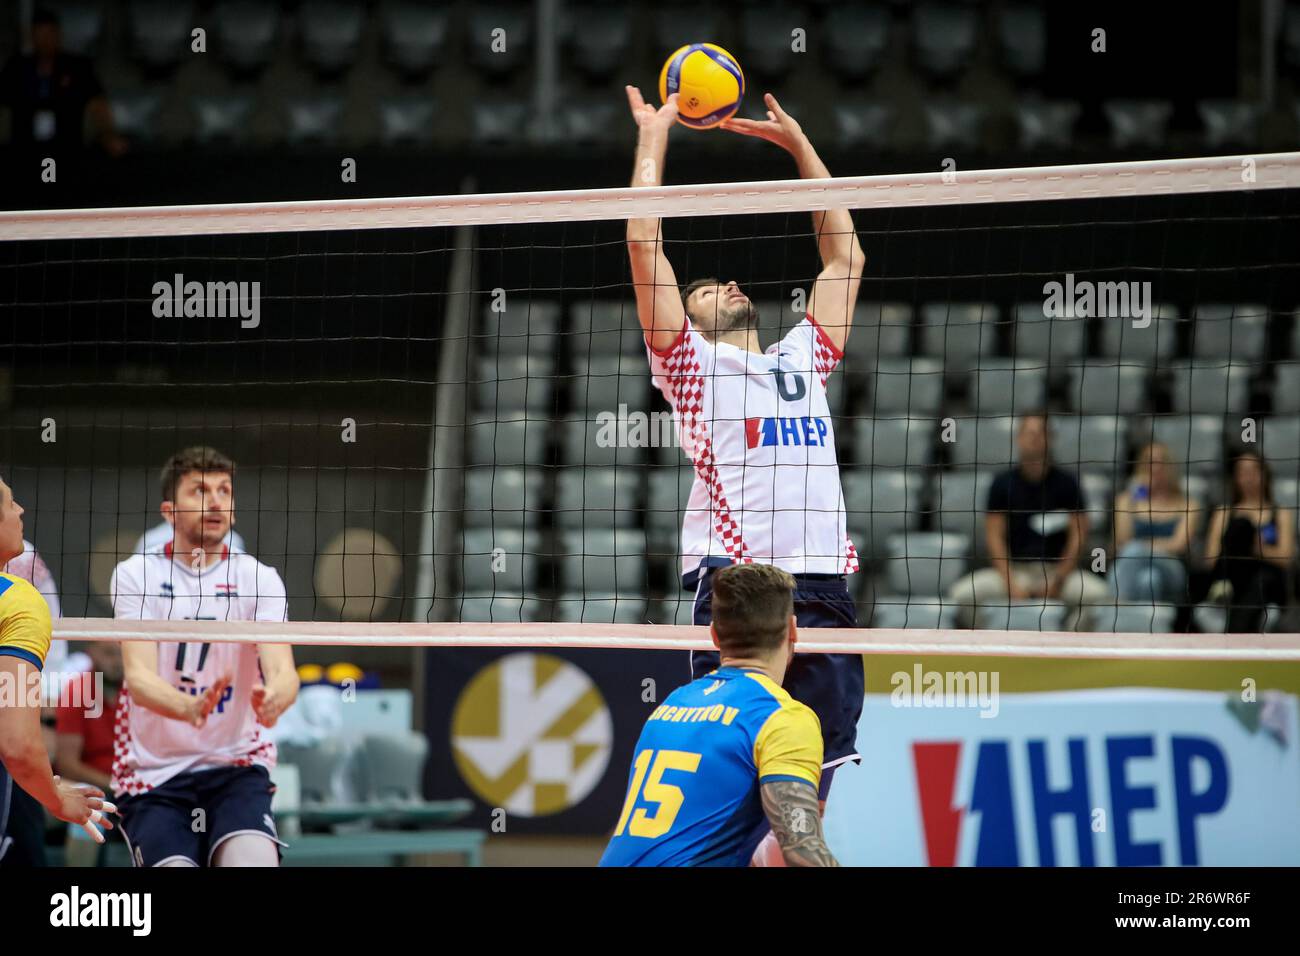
{"x":732,"y":752}
{"x":25,"y":629}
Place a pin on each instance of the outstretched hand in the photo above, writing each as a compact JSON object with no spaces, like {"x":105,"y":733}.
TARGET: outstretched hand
{"x":648,"y":118}
{"x":779,"y":127}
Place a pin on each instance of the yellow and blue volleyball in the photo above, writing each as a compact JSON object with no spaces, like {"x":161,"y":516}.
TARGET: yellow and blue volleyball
{"x":708,"y":82}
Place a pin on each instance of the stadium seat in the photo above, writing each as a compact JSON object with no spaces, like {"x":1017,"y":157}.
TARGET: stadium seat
{"x":606,"y":382}
{"x":863,"y":123}
{"x":1054,"y":341}
{"x":959,"y":333}
{"x":1236,"y":333}
{"x":407,"y":120}
{"x":588,"y":120}
{"x":910,"y":611}
{"x":516,"y":441}
{"x":513,"y":383}
{"x":524,"y":326}
{"x":497,"y":608}
{"x":503,"y":497}
{"x":961,"y":498}
{"x":856,"y":39}
{"x":392,"y":766}
{"x":591,"y":440}
{"x":599,"y":497}
{"x":1003,"y":386}
{"x":159,"y":32}
{"x":953,"y":125}
{"x":603,"y":560}
{"x":1286,"y":388}
{"x":1152,"y":342}
{"x":943,"y":38}
{"x":135,"y":114}
{"x":414,"y":35}
{"x":598,"y":38}
{"x":246,"y":32}
{"x":319,"y":766}
{"x":313,"y":119}
{"x":1133,"y":618}
{"x":1022,"y":39}
{"x":515,"y":20}
{"x":605,"y":327}
{"x":1286,"y":492}
{"x":926,"y":562}
{"x":1136,"y":123}
{"x":766,"y":39}
{"x":1037,"y":615}
{"x":221,"y":119}
{"x":670,"y":492}
{"x":906,"y":385}
{"x":986,"y":441}
{"x":1206,"y":387}
{"x":1229,"y":122}
{"x":1194,"y":441}
{"x":499,"y":121}
{"x":1090,"y":442}
{"x":81,"y":25}
{"x":880,"y":329}
{"x":880,"y":502}
{"x":1098,"y":496}
{"x":1279,"y":443}
{"x":1197,"y":489}
{"x":330,"y":32}
{"x":1046,"y":124}
{"x":894,"y":442}
{"x":511,"y":570}
{"x":580,"y":607}
{"x":1106,"y":388}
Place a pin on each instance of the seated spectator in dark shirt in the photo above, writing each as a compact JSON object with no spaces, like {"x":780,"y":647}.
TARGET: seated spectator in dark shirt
{"x":49,"y":92}
{"x":1035,"y":530}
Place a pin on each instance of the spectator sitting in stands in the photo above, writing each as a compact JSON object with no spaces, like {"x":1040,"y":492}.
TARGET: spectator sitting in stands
{"x":49,"y":92}
{"x":1154,"y":523}
{"x":1035,"y":528}
{"x":1250,"y":545}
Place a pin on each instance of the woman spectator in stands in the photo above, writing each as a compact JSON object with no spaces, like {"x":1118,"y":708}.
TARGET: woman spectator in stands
{"x":1154,"y":523}
{"x":1250,"y":546}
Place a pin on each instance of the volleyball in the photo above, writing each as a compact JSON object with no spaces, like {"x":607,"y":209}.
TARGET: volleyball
{"x":708,"y":81}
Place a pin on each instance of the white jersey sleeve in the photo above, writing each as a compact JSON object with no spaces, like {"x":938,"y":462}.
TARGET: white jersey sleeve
{"x":680,"y":373}
{"x":811,"y":348}
{"x":269,"y":600}
{"x":126,"y":588}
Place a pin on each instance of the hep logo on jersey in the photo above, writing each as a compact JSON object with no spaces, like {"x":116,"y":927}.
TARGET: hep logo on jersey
{"x":785,"y":431}
{"x":194,"y":691}
{"x":1086,"y":796}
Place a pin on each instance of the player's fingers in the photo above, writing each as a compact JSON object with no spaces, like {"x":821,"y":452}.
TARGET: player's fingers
{"x":95,"y":834}
{"x":634,"y":99}
{"x":773,"y":105}
{"x":108,"y":807}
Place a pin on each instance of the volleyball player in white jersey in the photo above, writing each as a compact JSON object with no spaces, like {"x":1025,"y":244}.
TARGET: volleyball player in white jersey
{"x":191,"y":763}
{"x":756,"y":424}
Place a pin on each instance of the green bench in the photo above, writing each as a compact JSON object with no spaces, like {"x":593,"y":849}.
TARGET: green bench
{"x":389,"y":846}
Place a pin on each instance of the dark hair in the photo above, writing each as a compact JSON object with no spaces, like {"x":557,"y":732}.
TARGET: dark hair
{"x":197,"y":458}
{"x":42,"y":16}
{"x":1265,"y":478}
{"x":752,"y":605}
{"x":696,"y":284}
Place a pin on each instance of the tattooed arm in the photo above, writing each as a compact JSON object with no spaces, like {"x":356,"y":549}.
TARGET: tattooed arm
{"x":792,"y":809}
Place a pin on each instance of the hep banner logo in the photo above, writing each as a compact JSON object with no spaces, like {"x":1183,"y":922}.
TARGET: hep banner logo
{"x":786,"y":431}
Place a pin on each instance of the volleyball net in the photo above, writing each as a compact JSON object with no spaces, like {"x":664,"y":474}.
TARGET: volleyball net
{"x":445,"y":432}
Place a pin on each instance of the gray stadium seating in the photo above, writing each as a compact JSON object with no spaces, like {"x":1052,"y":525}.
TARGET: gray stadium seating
{"x":986,"y":442}
{"x":860,"y":123}
{"x":414,"y":35}
{"x":1090,"y":442}
{"x":670,"y":491}
{"x":598,"y":497}
{"x":1021,"y":616}
{"x":407,"y":120}
{"x":1286,"y":492}
{"x":513,"y":441}
{"x":1279,"y":443}
{"x":159,"y":32}
{"x":1286,"y":387}
{"x":135,"y":114}
{"x":598,"y":37}
{"x":1137,"y":122}
{"x":906,"y":385}
{"x":513,"y":18}
{"x":1229,"y":122}
{"x":588,"y":608}
{"x":503,"y":497}
{"x":881,"y":502}
{"x":221,"y":119}
{"x":880,"y":329}
{"x":520,"y":558}
{"x":330,"y":32}
{"x":961,"y":498}
{"x":490,"y":608}
{"x":605,"y":382}
{"x":953,"y":125}
{"x":1104,"y":387}
{"x":1195,"y":441}
{"x":926,"y":562}
{"x":392,"y":766}
{"x":1022,"y":39}
{"x":1210,"y":387}
{"x":1133,"y":618}
{"x":606,"y":327}
{"x":526,"y":326}
{"x":1006,"y":386}
{"x":1237,"y":333}
{"x":856,"y":39}
{"x":588,"y":120}
{"x":583,"y":442}
{"x":765,"y":38}
{"x":1098,"y":496}
{"x":512,"y":383}
{"x":313,"y":119}
{"x":1046,"y":124}
{"x":246,"y":32}
{"x":1154,"y":343}
{"x":1053,"y":341}
{"x":896,"y":611}
{"x":81,"y":25}
{"x":497,"y":120}
{"x":603,"y":560}
{"x":893,"y":442}
{"x":959,"y":333}
{"x":943,"y":38}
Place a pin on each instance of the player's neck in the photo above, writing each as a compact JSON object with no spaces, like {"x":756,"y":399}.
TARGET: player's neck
{"x":187,"y":551}
{"x":772,"y":669}
{"x":744,"y":339}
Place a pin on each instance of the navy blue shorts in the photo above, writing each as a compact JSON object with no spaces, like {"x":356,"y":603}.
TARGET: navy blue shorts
{"x":831,"y":684}
{"x":161,"y":826}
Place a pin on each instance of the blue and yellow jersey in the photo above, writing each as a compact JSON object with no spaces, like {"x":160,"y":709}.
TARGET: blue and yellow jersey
{"x":25,"y":623}
{"x":693,"y":791}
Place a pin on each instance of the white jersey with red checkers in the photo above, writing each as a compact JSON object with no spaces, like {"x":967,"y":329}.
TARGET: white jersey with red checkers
{"x":149,"y":748}
{"x":758,"y":430}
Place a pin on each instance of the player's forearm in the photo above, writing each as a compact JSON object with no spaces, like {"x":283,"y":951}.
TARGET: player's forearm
{"x":837,"y":242}
{"x":793,"y":811}
{"x":643,"y":235}
{"x":153,"y":693}
{"x":29,"y":765}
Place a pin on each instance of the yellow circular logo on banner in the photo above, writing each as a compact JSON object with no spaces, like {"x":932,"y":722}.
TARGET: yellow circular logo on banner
{"x":531,"y":733}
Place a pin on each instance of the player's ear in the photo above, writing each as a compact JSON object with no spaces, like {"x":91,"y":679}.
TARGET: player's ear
{"x":168,"y":510}
{"x":794,"y":630}
{"x":713,"y":633}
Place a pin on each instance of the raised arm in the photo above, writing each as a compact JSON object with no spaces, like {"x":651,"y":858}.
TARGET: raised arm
{"x":835,"y":292}
{"x":793,"y":811}
{"x":658,"y":300}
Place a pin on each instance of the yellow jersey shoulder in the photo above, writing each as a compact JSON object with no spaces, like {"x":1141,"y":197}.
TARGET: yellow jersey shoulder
{"x":783,"y":698}
{"x":25,"y":622}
